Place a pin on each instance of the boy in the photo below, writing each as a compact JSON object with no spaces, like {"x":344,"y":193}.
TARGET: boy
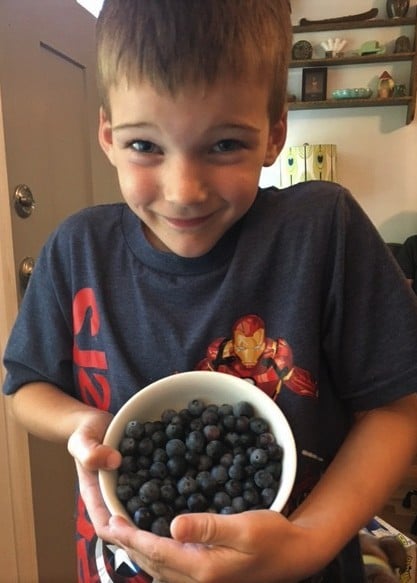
{"x":193,"y":100}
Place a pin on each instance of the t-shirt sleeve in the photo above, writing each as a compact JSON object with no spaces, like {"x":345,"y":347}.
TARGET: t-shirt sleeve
{"x":43,"y":316}
{"x":370,"y":315}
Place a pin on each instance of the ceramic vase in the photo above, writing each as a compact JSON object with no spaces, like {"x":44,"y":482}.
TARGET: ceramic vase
{"x":397,"y":8}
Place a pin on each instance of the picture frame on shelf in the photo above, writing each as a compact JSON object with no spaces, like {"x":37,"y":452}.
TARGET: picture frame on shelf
{"x":314,"y":84}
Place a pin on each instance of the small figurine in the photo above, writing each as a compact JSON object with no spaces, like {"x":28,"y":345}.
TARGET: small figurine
{"x":386,"y":85}
{"x":334,"y":47}
{"x":397,"y":8}
{"x":402,"y":45}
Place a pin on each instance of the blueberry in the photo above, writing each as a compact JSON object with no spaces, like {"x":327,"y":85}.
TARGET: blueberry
{"x":229,"y":422}
{"x":134,"y":429}
{"x":212,"y":432}
{"x":133,"y":504}
{"x":206,"y":483}
{"x":144,"y":461}
{"x":186,"y":485}
{"x":145,"y":446}
{"x":149,"y":492}
{"x":231,"y":439}
{"x":159,"y":455}
{"x":225,"y":409}
{"x":168,"y":492}
{"x":195,"y":441}
{"x":275,"y":469}
{"x":219,"y":474}
{"x":158,"y":470}
{"x":196,"y":424}
{"x":159,"y":438}
{"x":268,"y":496}
{"x":143,"y":518}
{"x":128,"y":464}
{"x":209,"y":417}
{"x":196,"y":407}
{"x":227,"y":510}
{"x":263,"y":479}
{"x":259,"y":458}
{"x":160,"y":526}
{"x":233,"y":488}
{"x":227,"y":459}
{"x":180,"y":502}
{"x":243,"y":408}
{"x":159,"y":508}
{"x":175,"y":447}
{"x":124,"y":492}
{"x":221,"y":500}
{"x":236,"y":472}
{"x":242,"y":424}
{"x":176,"y":466}
{"x":127,"y":446}
{"x":266,"y":439}
{"x":258,"y":425}
{"x":205,"y":462}
{"x":239,"y":504}
{"x":251,"y":497}
{"x":174,"y":431}
{"x":197,"y":502}
{"x":275,"y":452}
{"x":215,"y":449}
{"x":167,"y":415}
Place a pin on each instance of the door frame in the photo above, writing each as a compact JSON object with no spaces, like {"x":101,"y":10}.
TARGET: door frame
{"x":17,"y":535}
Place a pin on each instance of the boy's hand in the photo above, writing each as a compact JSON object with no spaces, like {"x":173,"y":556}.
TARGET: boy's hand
{"x":255,"y":546}
{"x":90,"y":455}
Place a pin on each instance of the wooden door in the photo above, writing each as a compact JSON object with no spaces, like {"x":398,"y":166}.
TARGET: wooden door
{"x":49,"y":118}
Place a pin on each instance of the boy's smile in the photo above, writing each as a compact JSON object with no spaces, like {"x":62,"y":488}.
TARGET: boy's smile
{"x":189,"y":165}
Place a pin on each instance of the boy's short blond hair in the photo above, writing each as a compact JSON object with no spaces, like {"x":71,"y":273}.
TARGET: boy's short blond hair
{"x":171,"y":43}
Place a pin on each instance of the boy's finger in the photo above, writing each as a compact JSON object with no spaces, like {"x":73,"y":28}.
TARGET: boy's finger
{"x":205,"y":528}
{"x":92,"y":455}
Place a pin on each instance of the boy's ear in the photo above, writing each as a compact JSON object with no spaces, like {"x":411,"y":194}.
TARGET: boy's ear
{"x":105,"y":135}
{"x":276,"y":140}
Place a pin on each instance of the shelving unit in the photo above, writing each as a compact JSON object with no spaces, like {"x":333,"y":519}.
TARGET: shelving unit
{"x":356,"y":60}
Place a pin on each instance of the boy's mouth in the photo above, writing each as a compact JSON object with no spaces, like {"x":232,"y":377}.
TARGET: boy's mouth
{"x":187,"y":223}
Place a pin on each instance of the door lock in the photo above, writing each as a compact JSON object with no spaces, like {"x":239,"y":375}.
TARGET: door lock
{"x":25,"y":271}
{"x":23,"y":200}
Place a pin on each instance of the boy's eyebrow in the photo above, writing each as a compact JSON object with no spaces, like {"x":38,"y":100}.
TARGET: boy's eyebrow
{"x":225,"y":126}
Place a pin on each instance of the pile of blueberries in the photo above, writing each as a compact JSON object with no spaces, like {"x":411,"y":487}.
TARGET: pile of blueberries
{"x":203,"y":458}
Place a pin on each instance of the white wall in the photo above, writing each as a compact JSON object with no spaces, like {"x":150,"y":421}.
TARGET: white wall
{"x":376,"y":151}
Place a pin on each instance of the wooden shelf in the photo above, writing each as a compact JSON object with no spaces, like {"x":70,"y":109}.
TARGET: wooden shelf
{"x":352,"y":60}
{"x":344,"y":103}
{"x":372,"y":23}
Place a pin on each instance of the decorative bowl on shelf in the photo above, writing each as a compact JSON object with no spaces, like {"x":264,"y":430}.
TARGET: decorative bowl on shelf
{"x":354,"y":93}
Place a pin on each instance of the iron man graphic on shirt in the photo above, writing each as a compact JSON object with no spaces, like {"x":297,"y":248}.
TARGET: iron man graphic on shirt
{"x":251,"y":355}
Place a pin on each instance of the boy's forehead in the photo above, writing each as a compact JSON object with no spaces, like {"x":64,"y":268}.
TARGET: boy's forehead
{"x":227,"y":98}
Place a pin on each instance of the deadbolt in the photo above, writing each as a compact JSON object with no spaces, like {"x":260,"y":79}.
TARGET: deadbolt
{"x":24,"y":203}
{"x":25,"y":271}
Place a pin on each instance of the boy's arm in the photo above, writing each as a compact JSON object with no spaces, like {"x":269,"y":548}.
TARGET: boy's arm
{"x":263,"y":545}
{"x":49,"y":413}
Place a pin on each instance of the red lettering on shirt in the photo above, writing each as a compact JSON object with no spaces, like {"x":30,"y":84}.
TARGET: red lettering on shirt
{"x":90,"y":392}
{"x":94,"y":386}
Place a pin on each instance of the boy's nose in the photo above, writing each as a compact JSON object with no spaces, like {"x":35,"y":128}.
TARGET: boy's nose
{"x":184,"y":183}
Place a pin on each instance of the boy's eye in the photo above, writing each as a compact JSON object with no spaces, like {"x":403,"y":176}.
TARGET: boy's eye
{"x":228,"y":146}
{"x":144,"y":147}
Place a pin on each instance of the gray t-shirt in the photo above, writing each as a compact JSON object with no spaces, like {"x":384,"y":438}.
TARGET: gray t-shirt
{"x":106,"y":314}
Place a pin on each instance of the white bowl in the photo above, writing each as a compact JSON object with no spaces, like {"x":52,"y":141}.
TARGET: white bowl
{"x":175,"y":392}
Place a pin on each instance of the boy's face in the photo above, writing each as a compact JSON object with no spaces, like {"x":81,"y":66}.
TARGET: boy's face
{"x":189,"y":165}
